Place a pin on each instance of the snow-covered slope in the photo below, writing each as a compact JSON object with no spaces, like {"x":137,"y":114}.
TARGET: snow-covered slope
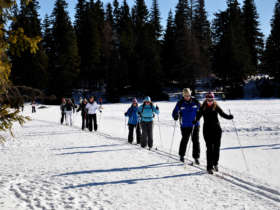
{"x":49,"y":166}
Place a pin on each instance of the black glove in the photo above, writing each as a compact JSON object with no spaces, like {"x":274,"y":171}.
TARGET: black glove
{"x":100,"y":111}
{"x":176,"y":117}
{"x":230,"y":116}
{"x":194,"y":122}
{"x":157,"y":107}
{"x":125,"y":114}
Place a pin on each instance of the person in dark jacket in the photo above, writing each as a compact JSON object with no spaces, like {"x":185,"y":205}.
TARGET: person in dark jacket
{"x":33,"y":104}
{"x":83,"y":110}
{"x":62,"y":109}
{"x":147,"y":112}
{"x":186,"y":110}
{"x":133,"y":122}
{"x":212,"y":131}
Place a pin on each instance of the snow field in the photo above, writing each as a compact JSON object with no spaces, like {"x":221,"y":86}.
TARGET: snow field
{"x":49,"y":166}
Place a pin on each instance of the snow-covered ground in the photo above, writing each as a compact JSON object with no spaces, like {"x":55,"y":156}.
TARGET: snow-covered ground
{"x":50,"y":166}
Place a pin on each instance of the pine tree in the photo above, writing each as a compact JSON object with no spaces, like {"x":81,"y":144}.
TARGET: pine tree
{"x":147,"y":58}
{"x":186,"y":46}
{"x":253,"y":35}
{"x":232,"y":60}
{"x":19,"y":43}
{"x":169,"y":50}
{"x":202,"y":32}
{"x":28,"y":65}
{"x":65,"y":59}
{"x":155,"y":20}
{"x":271,"y":59}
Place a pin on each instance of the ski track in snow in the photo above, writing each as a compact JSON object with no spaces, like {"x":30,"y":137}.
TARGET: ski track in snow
{"x":51,"y":166}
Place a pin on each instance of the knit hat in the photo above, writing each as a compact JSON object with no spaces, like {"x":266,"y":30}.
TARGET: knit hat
{"x":134,"y":100}
{"x":147,"y":99}
{"x":187,"y":92}
{"x":210,"y":95}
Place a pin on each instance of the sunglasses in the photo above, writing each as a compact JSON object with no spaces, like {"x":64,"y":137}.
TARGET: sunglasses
{"x":209,"y":100}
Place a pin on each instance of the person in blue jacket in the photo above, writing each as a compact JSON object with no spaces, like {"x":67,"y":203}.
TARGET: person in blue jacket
{"x":133,"y":122}
{"x":186,"y":110}
{"x":147,"y":112}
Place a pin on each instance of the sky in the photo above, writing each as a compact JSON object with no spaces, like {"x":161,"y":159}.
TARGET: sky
{"x":265,"y":9}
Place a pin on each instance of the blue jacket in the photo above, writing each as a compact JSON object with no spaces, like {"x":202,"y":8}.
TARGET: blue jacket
{"x":187,"y":111}
{"x":132,"y":113}
{"x":146,"y":112}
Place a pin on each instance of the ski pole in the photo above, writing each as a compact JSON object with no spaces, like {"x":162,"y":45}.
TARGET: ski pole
{"x":160,"y":133}
{"x":238,"y":139}
{"x":172,"y":140}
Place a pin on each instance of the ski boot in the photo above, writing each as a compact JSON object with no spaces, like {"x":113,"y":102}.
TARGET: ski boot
{"x":182,"y":159}
{"x":196,"y":161}
{"x":216,"y":168}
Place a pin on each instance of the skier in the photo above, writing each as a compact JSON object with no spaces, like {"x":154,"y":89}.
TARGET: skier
{"x":133,"y":122}
{"x":186,"y":109}
{"x":92,"y":107}
{"x":62,"y":109}
{"x":83,"y":110}
{"x":212,"y":131}
{"x":33,"y":104}
{"x":69,"y":109}
{"x":147,"y":112}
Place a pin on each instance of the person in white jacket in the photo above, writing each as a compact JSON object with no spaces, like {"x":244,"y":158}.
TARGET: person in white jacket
{"x":91,"y":108}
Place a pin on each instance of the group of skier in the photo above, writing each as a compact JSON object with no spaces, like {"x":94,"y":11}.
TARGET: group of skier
{"x":88,"y":112}
{"x":188,"y":111}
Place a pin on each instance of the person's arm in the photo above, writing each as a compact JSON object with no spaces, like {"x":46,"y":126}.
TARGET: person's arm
{"x":175,"y":113}
{"x":198,"y":115}
{"x":155,"y":109}
{"x":223,"y":114}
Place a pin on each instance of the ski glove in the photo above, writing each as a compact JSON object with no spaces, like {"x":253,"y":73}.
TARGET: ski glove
{"x":230,"y":116}
{"x":194,"y":122}
{"x":157,"y":107}
{"x":176,"y":117}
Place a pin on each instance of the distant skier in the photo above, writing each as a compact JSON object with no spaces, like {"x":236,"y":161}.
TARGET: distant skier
{"x":92,"y":107}
{"x":33,"y":104}
{"x":133,"y":122}
{"x":62,"y":109}
{"x":147,"y":112}
{"x":69,"y":109}
{"x":83,"y":110}
{"x":212,"y":131}
{"x":186,"y":110}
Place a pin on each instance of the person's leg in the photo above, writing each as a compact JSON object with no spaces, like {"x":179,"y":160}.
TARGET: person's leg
{"x":186,"y":132}
{"x":216,"y":147}
{"x":196,"y":144}
{"x":138,"y":133}
{"x":144,"y":134}
{"x":90,"y":117}
{"x":130,"y":133}
{"x":83,"y":122}
{"x":95,"y":122}
{"x":150,"y":134}
{"x":209,"y":148}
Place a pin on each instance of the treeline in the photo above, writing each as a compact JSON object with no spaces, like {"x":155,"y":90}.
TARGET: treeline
{"x":125,"y":50}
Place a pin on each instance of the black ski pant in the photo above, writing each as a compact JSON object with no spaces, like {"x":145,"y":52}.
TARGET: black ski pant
{"x":33,"y":109}
{"x":212,"y":136}
{"x":147,"y":134}
{"x":131,"y":131}
{"x":186,"y":133}
{"x":92,"y":117}
{"x":84,"y":121}
{"x":63,"y":117}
